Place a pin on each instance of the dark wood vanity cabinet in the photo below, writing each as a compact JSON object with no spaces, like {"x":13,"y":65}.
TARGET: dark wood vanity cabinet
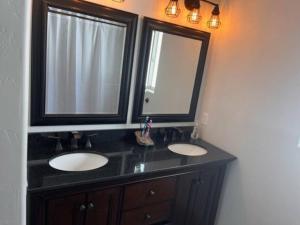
{"x":66,"y":210}
{"x":149,"y":202}
{"x":95,"y":208}
{"x":149,"y":192}
{"x":103,"y":207}
{"x":197,"y":197}
{"x":189,"y":198}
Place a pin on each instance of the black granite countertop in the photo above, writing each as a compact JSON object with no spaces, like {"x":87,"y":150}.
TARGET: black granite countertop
{"x":126,"y":160}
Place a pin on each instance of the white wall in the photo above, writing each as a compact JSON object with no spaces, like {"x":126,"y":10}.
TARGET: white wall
{"x":13,"y":107}
{"x":252,"y":98}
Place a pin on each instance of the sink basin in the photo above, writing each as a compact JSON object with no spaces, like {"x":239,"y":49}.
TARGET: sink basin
{"x":187,"y":149}
{"x":78,"y":162}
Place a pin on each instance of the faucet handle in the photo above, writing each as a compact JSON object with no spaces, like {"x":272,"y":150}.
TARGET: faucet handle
{"x":88,"y":143}
{"x":75,"y":136}
{"x":58,"y":147}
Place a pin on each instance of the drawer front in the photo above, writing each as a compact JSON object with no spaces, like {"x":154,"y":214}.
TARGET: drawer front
{"x":141,"y":194}
{"x":148,"y":215}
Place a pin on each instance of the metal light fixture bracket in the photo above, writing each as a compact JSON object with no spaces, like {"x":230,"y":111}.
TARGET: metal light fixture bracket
{"x":191,"y":4}
{"x":216,"y":10}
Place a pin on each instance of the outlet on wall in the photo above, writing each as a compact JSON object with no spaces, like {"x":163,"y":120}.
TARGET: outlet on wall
{"x":204,"y":119}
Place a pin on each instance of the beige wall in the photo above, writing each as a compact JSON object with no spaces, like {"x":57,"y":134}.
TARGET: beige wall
{"x":252,"y":98}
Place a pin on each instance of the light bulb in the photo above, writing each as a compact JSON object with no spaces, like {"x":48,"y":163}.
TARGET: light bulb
{"x":214,"y":21}
{"x":194,"y":16}
{"x":172,"y":9}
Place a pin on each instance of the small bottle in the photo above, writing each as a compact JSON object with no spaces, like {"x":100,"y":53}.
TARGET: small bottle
{"x":194,"y":134}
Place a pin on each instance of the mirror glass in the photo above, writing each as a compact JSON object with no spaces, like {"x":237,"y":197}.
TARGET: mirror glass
{"x":171,"y":65}
{"x":84,"y":62}
{"x":171,"y":73}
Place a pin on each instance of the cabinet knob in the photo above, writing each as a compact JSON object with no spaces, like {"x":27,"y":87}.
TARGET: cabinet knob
{"x":82,"y":208}
{"x":151,"y":192}
{"x":91,"y":205}
{"x":148,"y":216}
{"x":147,"y":100}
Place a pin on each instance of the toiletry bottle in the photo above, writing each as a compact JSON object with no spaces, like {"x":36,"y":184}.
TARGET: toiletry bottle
{"x":194,"y":134}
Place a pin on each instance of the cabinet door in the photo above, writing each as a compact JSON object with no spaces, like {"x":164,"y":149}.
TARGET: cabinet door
{"x":103,"y":207}
{"x":197,"y":197}
{"x":68,"y":210}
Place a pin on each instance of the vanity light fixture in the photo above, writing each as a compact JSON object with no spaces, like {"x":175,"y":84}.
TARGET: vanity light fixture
{"x":194,"y":14}
{"x":119,"y":1}
{"x":193,"y":6}
{"x":172,"y":10}
{"x":214,"y":21}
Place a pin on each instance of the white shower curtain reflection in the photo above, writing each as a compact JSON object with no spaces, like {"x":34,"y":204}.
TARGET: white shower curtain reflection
{"x":84,"y":64}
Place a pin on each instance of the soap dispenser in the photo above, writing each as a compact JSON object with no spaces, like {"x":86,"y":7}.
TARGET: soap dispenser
{"x":194,"y":134}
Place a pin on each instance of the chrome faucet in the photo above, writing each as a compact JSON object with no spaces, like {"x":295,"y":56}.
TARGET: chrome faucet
{"x":74,"y":140}
{"x":172,"y":134}
{"x":177,"y":132}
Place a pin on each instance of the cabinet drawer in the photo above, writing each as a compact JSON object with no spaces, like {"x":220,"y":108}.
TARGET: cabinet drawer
{"x":141,"y":194}
{"x":148,"y":215}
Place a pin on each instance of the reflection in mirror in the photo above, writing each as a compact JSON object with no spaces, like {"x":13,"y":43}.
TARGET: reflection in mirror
{"x":171,"y":65}
{"x":84,"y":63}
{"x":170,"y":78}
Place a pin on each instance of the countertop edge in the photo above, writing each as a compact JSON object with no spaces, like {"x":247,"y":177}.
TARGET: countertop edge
{"x":135,"y":177}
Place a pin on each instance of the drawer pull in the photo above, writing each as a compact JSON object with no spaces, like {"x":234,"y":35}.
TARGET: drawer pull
{"x":148,"y":216}
{"x":91,"y":205}
{"x":151,"y":192}
{"x":82,"y":208}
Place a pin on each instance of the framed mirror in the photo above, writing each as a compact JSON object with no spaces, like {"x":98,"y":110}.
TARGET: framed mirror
{"x":82,"y":57}
{"x":171,"y":65}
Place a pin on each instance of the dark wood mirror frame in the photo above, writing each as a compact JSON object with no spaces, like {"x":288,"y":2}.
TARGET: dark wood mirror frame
{"x":150,"y":25}
{"x":38,"y":62}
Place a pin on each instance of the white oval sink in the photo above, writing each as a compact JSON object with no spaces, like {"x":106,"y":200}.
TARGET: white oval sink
{"x":78,"y":162}
{"x":187,"y":149}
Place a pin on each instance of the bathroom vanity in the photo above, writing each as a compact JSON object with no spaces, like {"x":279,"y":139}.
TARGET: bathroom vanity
{"x":82,"y":59}
{"x":139,"y":185}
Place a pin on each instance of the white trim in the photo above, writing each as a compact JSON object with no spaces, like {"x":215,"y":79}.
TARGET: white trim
{"x":25,"y":85}
{"x":134,"y":70}
{"x":44,"y":129}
